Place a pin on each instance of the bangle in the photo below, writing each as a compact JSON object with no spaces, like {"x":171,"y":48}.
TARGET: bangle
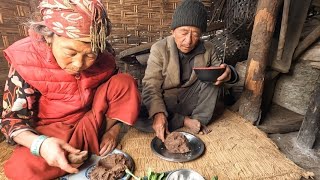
{"x":36,"y":144}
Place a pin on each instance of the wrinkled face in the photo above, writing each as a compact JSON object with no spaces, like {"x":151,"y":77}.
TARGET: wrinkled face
{"x":186,"y":37}
{"x":72,"y":55}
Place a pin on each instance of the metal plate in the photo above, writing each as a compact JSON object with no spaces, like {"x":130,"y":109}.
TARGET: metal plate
{"x":182,"y":174}
{"x":196,"y":145}
{"x":87,"y":167}
{"x":165,"y":175}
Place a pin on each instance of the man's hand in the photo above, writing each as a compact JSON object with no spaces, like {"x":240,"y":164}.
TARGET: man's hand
{"x":53,"y":151}
{"x":160,"y":125}
{"x":226,"y":76}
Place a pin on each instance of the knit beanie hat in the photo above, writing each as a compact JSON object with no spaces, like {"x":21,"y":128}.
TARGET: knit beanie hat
{"x":190,"y":13}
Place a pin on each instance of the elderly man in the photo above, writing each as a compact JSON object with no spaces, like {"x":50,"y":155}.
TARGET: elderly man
{"x":63,"y":94}
{"x":172,"y":94}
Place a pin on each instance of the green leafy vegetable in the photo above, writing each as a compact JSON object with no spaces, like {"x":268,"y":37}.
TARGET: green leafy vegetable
{"x":150,"y":175}
{"x":161,"y":176}
{"x":214,"y":178}
{"x":154,"y":176}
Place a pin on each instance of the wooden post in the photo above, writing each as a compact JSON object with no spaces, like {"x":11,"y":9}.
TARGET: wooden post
{"x":263,"y":29}
{"x":311,"y":123}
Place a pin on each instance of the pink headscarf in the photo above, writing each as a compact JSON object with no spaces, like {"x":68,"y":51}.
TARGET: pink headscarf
{"x":84,"y":20}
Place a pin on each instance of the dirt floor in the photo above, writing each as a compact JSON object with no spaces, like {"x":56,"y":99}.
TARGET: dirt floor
{"x":282,"y":126}
{"x":307,"y":159}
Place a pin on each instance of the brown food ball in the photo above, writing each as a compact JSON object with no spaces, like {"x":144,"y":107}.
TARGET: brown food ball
{"x":111,"y":167}
{"x":78,"y":158}
{"x":176,"y":142}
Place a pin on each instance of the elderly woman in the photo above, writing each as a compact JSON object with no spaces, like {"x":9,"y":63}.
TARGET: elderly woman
{"x":63,"y":92}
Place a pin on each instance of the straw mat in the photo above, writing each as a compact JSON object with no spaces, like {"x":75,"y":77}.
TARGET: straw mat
{"x":5,"y":153}
{"x":235,"y":149}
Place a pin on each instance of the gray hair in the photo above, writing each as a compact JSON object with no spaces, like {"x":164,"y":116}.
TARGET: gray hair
{"x":44,"y":31}
{"x":40,"y":28}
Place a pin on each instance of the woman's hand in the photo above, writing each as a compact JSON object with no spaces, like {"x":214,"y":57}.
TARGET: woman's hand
{"x":160,"y":125}
{"x":53,"y":151}
{"x":109,"y":140}
{"x":226,"y":76}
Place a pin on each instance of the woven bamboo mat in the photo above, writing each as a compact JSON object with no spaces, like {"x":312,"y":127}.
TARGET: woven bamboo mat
{"x":5,"y":153}
{"x":235,"y":149}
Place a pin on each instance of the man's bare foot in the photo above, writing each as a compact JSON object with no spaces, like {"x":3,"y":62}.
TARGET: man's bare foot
{"x":204,"y":130}
{"x":193,"y":124}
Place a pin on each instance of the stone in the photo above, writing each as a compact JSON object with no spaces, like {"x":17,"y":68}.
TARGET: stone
{"x":293,"y":90}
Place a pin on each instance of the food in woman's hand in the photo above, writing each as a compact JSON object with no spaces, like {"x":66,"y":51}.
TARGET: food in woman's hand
{"x":78,"y":158}
{"x":176,"y":142}
{"x":111,"y":167}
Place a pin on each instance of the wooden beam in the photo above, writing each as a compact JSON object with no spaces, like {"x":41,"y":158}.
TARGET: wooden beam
{"x":310,"y":126}
{"x":306,"y":42}
{"x":143,"y":48}
{"x":284,"y":28}
{"x":297,"y":15}
{"x":280,"y":120}
{"x":280,"y":129}
{"x":263,"y":29}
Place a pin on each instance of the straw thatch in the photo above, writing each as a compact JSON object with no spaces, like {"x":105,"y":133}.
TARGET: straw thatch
{"x":235,"y":149}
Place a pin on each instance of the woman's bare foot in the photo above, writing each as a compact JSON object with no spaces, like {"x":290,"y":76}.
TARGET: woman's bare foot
{"x":193,"y":124}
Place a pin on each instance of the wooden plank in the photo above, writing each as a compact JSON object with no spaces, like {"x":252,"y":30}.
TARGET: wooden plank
{"x":312,"y":54}
{"x":135,"y":50}
{"x":297,"y":16}
{"x":284,"y":28}
{"x":281,"y":120}
{"x":143,"y":59}
{"x":306,"y":42}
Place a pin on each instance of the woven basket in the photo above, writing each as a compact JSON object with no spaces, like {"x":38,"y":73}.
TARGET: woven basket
{"x":135,"y":22}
